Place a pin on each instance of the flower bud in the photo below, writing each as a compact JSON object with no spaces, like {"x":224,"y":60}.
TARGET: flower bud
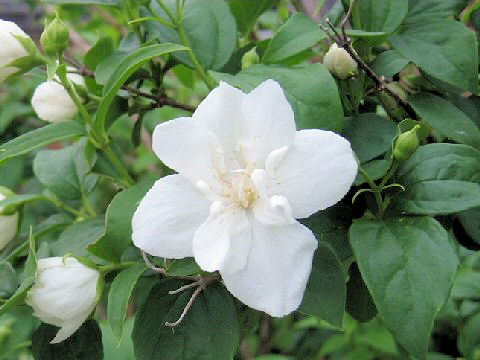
{"x":250,"y":58}
{"x":55,"y":37}
{"x":8,"y":221}
{"x":52,"y":102}
{"x":64,"y":294}
{"x":339,"y":62}
{"x":11,"y":48}
{"x":406,"y":144}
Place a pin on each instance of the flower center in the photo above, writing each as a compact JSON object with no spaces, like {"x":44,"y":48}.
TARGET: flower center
{"x":243,"y":191}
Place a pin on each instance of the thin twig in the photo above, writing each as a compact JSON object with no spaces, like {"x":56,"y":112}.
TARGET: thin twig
{"x":151,"y":265}
{"x":187,"y":307}
{"x":345,"y":42}
{"x":185,"y":287}
{"x":160,"y":100}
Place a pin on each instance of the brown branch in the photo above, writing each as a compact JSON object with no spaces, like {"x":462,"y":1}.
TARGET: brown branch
{"x":160,"y":100}
{"x":343,"y":41}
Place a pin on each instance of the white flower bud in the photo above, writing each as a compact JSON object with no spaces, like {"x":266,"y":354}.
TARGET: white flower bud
{"x":64,"y":294}
{"x":11,"y":48}
{"x":52,"y":102}
{"x":339,"y":62}
{"x":8,"y":226}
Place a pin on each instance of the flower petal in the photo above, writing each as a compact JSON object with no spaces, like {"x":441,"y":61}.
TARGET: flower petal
{"x":277,"y":269}
{"x":69,"y":327}
{"x":184,"y":145}
{"x":213,"y":241}
{"x":220,"y":113}
{"x":168,"y":216}
{"x":268,"y":123}
{"x":315,"y":173}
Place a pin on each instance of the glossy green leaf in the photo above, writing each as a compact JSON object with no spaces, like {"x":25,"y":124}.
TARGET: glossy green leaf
{"x":75,"y":238}
{"x":66,"y":171}
{"x":37,"y":138}
{"x":299,"y":33}
{"x":359,"y":302}
{"x":118,"y":224}
{"x":210,"y":29}
{"x":419,"y":10}
{"x":84,"y":344}
{"x":440,"y":179}
{"x":119,"y":295}
{"x":370,"y":135}
{"x":431,"y":46}
{"x":389,"y":63}
{"x":125,"y":68}
{"x":246,"y":12}
{"x":471,"y":224}
{"x":8,"y":285}
{"x":372,"y":15}
{"x":325,"y":293}
{"x":443,"y":116}
{"x":408,"y":265}
{"x":323,"y":111}
{"x":210,"y":330}
{"x":469,"y":339}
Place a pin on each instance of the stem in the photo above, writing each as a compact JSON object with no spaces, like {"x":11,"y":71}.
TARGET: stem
{"x":390,"y":173}
{"x":169,"y":13}
{"x":126,"y":180}
{"x":88,"y":206}
{"x":118,"y":266}
{"x":207,"y":79}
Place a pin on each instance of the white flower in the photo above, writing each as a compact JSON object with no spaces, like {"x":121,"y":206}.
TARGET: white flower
{"x":339,"y":62}
{"x":64,"y":294}
{"x":245,"y":175}
{"x":51,"y":101}
{"x":8,"y":226}
{"x":11,"y":49}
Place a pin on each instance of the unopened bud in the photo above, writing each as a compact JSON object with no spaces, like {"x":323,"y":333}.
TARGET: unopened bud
{"x":11,"y":48}
{"x":250,"y":58}
{"x":339,"y":62}
{"x":406,"y":144}
{"x":55,"y":37}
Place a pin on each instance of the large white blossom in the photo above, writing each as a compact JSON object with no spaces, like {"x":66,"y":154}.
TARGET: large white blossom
{"x":52,"y":102}
{"x":244,"y":175}
{"x":10,"y":49}
{"x":8,"y":226}
{"x":64,"y":294}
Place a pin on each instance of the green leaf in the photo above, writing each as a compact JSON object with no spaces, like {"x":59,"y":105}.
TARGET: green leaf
{"x":466,"y":285}
{"x":443,"y":116}
{"x":246,"y":12}
{"x":84,"y":344}
{"x":372,"y":15}
{"x":325,"y":293}
{"x":210,"y":29}
{"x":375,"y":169}
{"x":65,"y":171}
{"x":419,"y":10}
{"x":78,"y":236}
{"x":183,"y":267}
{"x":370,"y":135}
{"x":111,"y":349}
{"x":103,"y":48}
{"x":471,"y":224}
{"x":119,"y":295}
{"x":408,"y":265}
{"x":440,"y":179}
{"x":125,"y":68}
{"x":29,"y":272}
{"x":359,"y":301}
{"x":431,"y":46}
{"x":210,"y":330}
{"x":389,"y":63}
{"x":299,"y":33}
{"x":323,"y":111}
{"x":8,"y":285}
{"x":469,"y":339}
{"x":40,"y":137}
{"x":18,"y":200}
{"x":330,"y":226}
{"x":118,"y":227}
